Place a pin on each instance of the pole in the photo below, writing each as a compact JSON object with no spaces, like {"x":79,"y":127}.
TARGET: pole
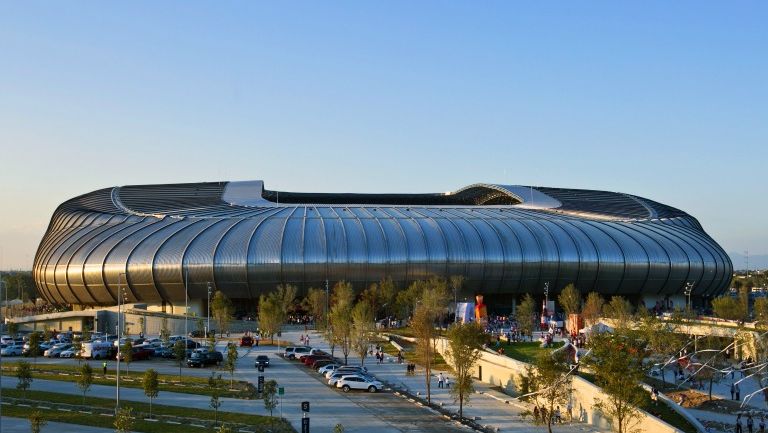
{"x":117,"y":376}
{"x":327,"y":300}
{"x":209,"y":311}
{"x":186,"y":306}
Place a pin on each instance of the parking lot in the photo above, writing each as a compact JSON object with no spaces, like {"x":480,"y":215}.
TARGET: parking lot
{"x":357,"y":411}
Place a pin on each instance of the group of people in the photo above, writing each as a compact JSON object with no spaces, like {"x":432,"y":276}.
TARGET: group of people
{"x":443,"y":381}
{"x":541,"y":415}
{"x":304,"y":339}
{"x":750,"y":424}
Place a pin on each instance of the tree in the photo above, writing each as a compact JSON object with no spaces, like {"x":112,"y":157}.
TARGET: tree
{"x":464,"y":348}
{"x":200,"y":326}
{"x":726,"y":307}
{"x":456,"y":282}
{"x":620,"y":310}
{"x":338,"y":428}
{"x":85,"y":379}
{"x":316,"y":302}
{"x":362,"y":328}
{"x":617,"y":360}
{"x":593,"y":308}
{"x":222,"y":310}
{"x":231,"y":362}
{"x":13,"y":328}
{"x":47,"y":334}
{"x":371,"y":297}
{"x":214,"y":382}
{"x":126,"y":354}
{"x":550,"y":383}
{"x":77,"y":346}
{"x":429,"y":307}
{"x":180,"y":353}
{"x":524,"y":315}
{"x":286,"y":295}
{"x":24,"y":375}
{"x":151,"y":386}
{"x":342,"y":328}
{"x":34,"y":345}
{"x":165,"y":333}
{"x":760,"y":309}
{"x":270,"y":396}
{"x":36,"y":422}
{"x":387,"y":294}
{"x":744,"y":301}
{"x":570,"y":299}
{"x":270,"y":315}
{"x":664,"y":342}
{"x":124,"y":420}
{"x":342,"y":294}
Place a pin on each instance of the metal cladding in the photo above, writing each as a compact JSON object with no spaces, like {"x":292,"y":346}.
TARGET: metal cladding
{"x":245,"y":240}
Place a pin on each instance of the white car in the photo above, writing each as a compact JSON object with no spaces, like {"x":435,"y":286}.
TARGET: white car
{"x":346,"y":369}
{"x":11,"y":350}
{"x":56,"y":350}
{"x":69,"y":353}
{"x":359,"y":382}
{"x":326,"y":368}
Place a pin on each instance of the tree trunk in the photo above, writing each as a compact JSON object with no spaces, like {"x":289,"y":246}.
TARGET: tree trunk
{"x":711,"y":379}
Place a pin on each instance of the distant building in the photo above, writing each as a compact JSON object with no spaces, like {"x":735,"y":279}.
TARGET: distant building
{"x":244,"y":240}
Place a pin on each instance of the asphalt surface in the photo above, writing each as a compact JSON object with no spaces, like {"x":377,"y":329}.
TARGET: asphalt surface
{"x":357,"y":411}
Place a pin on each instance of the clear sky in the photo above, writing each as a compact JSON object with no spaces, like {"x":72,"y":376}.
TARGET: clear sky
{"x":666,"y":100}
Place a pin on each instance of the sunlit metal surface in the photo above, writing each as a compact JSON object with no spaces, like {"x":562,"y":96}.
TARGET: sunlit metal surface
{"x":505,"y":239}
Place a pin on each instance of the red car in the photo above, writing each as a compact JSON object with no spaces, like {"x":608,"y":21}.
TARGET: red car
{"x":139,"y":354}
{"x":246,"y":341}
{"x":311,"y":359}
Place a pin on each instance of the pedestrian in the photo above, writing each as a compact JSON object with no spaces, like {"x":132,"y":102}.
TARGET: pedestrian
{"x":761,"y":426}
{"x":558,"y":418}
{"x":733,"y":390}
{"x":738,"y":424}
{"x":440,"y":380}
{"x":447,"y":382}
{"x":738,"y":392}
{"x":536,"y":413}
{"x":104,"y":367}
{"x":654,"y":395}
{"x":750,"y":423}
{"x":569,"y":410}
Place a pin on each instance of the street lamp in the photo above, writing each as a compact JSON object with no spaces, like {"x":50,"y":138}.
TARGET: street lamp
{"x":209,"y":311}
{"x":687,"y":291}
{"x":120,"y":296}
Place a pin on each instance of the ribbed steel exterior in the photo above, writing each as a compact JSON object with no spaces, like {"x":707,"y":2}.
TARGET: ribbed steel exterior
{"x":245,"y":240}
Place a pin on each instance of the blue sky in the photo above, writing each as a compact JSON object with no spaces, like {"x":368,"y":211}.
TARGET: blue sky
{"x":664,"y":100}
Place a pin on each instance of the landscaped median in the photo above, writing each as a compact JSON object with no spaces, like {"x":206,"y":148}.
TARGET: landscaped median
{"x":170,"y":383}
{"x":99,"y":412}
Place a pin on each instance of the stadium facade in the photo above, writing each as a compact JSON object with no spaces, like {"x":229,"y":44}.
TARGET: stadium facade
{"x":163,"y":243}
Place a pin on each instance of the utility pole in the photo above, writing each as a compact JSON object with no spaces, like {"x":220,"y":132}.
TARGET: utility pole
{"x":186,"y":305}
{"x":117,"y":376}
{"x":327,"y":301}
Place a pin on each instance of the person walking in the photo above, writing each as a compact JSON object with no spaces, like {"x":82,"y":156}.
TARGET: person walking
{"x":750,"y":423}
{"x":440,"y":380}
{"x":104,"y":367}
{"x":738,"y":392}
{"x":733,"y":391}
{"x":739,"y":427}
{"x":761,"y":425}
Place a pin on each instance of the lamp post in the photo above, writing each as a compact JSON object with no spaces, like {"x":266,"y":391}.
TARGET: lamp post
{"x":688,"y":290}
{"x":186,"y":306}
{"x":327,"y":301}
{"x":120,"y":295}
{"x":209,"y":311}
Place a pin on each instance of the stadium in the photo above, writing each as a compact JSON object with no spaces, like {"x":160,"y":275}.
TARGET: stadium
{"x":165,"y":245}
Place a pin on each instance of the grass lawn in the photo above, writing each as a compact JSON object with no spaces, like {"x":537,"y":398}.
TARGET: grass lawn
{"x":171,"y":383}
{"x":259,"y":422}
{"x":524,"y":351}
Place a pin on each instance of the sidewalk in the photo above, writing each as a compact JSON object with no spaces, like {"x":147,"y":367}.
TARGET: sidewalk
{"x":490,"y":407}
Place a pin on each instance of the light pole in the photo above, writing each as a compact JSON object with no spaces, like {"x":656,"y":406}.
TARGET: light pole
{"x":186,"y":305}
{"x":120,"y":294}
{"x":688,"y":290}
{"x":209,"y":311}
{"x":327,"y":300}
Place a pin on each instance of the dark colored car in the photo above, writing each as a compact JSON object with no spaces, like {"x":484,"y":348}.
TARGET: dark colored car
{"x":310,"y":359}
{"x":201,"y":359}
{"x":246,"y":341}
{"x":262,"y":360}
{"x":200,"y":334}
{"x":322,"y":363}
{"x":139,"y":354}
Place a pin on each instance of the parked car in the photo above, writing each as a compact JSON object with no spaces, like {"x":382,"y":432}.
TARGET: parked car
{"x":298,"y":351}
{"x":11,"y":350}
{"x":322,"y":362}
{"x":288,"y":352}
{"x":69,"y":353}
{"x":347,"y":383}
{"x":246,"y":341}
{"x":348,"y":369}
{"x":200,"y":334}
{"x":56,"y":350}
{"x":262,"y":360}
{"x":312,"y":352}
{"x":309,"y":360}
{"x":328,"y":367}
{"x":138,"y":354}
{"x":201,"y":358}
{"x":335,"y":376}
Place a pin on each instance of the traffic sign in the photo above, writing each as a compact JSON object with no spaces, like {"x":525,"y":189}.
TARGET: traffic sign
{"x":280,"y":391}
{"x":305,"y":406}
{"x":261,"y":384}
